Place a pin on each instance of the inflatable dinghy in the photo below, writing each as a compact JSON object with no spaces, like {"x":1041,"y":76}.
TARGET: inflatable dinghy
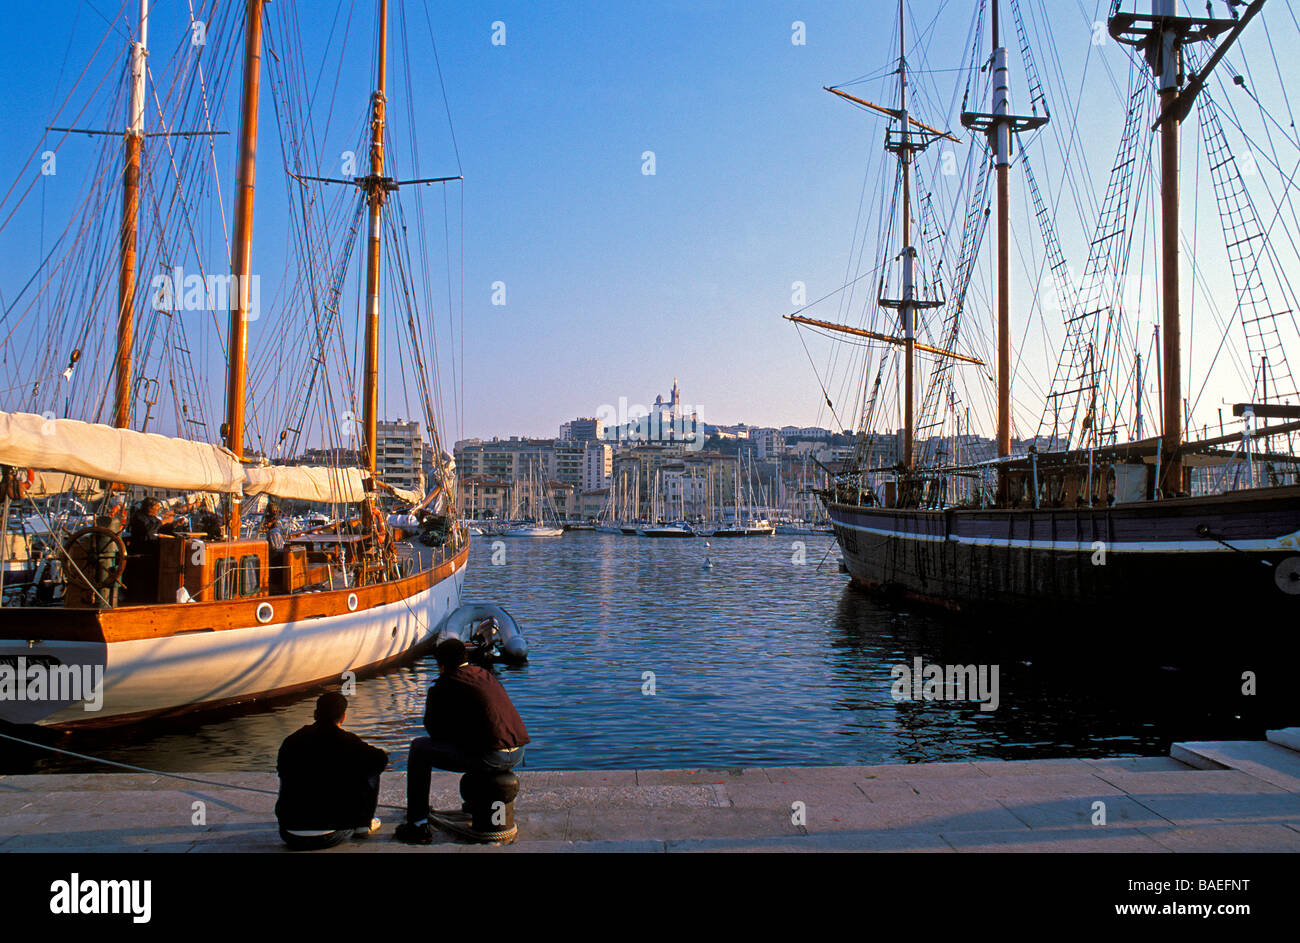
{"x":472,"y":624}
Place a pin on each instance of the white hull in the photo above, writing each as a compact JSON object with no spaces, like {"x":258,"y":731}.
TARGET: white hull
{"x":180,"y":672}
{"x":532,"y":532}
{"x":666,"y":531}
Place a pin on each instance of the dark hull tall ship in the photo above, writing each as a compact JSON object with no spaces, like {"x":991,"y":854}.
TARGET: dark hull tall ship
{"x":220,"y":612}
{"x":1188,"y":530}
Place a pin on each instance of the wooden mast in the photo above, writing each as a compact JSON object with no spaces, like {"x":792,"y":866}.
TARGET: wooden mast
{"x":1167,"y":82}
{"x":1001,"y":141}
{"x":242,"y":246}
{"x":377,"y":189}
{"x":126,"y":275}
{"x":906,"y":309}
{"x":1161,"y":36}
{"x":998,"y":125}
{"x":903,"y":141}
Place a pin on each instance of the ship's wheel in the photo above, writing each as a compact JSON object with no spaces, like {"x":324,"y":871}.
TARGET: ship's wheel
{"x":1287,"y":576}
{"x":98,"y":556}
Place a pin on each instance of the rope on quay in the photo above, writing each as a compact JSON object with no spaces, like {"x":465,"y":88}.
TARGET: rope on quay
{"x":158,"y":772}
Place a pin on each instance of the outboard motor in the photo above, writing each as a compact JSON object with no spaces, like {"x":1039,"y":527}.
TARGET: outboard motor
{"x":488,"y":631}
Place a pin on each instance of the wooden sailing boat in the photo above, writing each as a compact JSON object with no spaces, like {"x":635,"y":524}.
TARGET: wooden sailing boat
{"x":1089,"y":525}
{"x":233,"y":618}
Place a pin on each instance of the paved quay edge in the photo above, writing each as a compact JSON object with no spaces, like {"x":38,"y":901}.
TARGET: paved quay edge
{"x":1153,"y":805}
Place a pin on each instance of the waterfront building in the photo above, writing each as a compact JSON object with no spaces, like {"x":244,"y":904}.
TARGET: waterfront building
{"x":514,"y":458}
{"x":597,"y":466}
{"x":592,"y":504}
{"x":588,"y":429}
{"x":485,"y":498}
{"x":769,"y":442}
{"x":399,"y":454}
{"x":670,"y":482}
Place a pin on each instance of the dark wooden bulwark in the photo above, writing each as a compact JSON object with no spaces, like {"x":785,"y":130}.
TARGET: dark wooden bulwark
{"x":289,"y":574}
{"x":173,"y":555}
{"x":226,"y":569}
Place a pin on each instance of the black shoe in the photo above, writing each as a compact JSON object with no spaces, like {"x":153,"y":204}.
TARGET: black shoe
{"x":410,"y":834}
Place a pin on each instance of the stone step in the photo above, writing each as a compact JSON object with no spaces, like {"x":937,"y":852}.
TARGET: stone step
{"x":1261,"y":760}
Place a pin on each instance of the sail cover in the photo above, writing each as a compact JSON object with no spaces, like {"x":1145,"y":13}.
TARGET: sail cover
{"x":104,"y":453}
{"x":46,"y":483}
{"x":307,"y":483}
{"x":69,"y":455}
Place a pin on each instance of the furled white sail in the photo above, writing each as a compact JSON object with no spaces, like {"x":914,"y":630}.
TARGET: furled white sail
{"x":307,"y":483}
{"x":409,"y":497}
{"x":67,"y":455}
{"x":104,"y":453}
{"x":46,"y":483}
{"x":401,"y":494}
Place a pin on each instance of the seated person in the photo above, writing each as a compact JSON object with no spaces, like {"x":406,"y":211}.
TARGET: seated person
{"x":143,"y":549}
{"x":272,"y":527}
{"x":329,"y":781}
{"x":472,"y":727}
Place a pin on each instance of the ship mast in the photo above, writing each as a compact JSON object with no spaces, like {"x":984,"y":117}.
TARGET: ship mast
{"x":905,"y":142}
{"x":130,"y":226}
{"x":1162,"y":36}
{"x":907,"y":310}
{"x":999,"y":126}
{"x":242,"y":246}
{"x":1167,"y":62}
{"x":376,"y":187}
{"x":909,"y":138}
{"x":1001,"y":140}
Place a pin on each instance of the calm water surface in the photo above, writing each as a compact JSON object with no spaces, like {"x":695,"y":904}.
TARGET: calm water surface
{"x":767,"y":658}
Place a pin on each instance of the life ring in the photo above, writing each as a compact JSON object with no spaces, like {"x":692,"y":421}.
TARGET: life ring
{"x":1287,"y":575}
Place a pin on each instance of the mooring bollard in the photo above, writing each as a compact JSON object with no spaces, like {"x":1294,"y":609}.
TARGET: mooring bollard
{"x":490,"y":797}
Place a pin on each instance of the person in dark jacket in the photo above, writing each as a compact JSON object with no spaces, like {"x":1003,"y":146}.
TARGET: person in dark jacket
{"x":143,"y":550}
{"x":329,"y":781}
{"x":472,"y":726}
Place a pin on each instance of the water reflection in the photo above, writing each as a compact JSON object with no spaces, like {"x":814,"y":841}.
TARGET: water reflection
{"x":759,"y":660}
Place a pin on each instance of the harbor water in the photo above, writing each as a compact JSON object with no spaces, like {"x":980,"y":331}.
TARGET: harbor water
{"x":642,"y":657}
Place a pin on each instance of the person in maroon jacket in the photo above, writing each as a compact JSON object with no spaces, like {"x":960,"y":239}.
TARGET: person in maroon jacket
{"x":472,"y":727}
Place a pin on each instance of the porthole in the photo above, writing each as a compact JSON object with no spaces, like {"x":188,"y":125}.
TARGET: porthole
{"x":265,"y":613}
{"x":352,"y":602}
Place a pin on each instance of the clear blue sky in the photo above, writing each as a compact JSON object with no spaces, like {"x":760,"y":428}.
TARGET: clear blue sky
{"x":616,"y":281}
